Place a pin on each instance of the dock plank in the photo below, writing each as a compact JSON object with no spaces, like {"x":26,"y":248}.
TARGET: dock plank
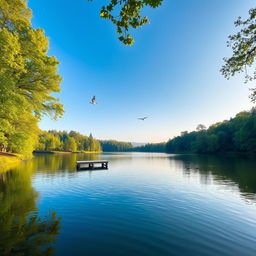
{"x":91,"y":161}
{"x":90,"y":164}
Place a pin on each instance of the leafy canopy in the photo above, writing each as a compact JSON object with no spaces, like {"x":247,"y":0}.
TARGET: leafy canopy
{"x":28,"y":77}
{"x":69,"y":142}
{"x":126,"y":14}
{"x":243,"y":45}
{"x":235,"y":135}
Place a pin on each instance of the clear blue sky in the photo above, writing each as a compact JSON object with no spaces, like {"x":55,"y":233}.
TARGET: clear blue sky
{"x":171,"y":74}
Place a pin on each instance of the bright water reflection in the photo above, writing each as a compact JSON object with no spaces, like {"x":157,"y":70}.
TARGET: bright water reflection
{"x":145,"y":204}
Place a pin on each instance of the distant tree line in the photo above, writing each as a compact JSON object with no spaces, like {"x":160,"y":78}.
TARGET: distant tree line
{"x":67,"y":141}
{"x":115,"y":146}
{"x":235,"y":135}
{"x":151,"y":147}
{"x":119,"y":146}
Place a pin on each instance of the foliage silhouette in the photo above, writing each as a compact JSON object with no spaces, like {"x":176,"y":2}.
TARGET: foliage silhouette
{"x":236,"y":135}
{"x":243,"y":45}
{"x":126,"y":14}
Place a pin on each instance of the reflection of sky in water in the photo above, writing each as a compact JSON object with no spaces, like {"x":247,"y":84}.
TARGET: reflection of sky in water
{"x":150,"y":204}
{"x":153,"y":171}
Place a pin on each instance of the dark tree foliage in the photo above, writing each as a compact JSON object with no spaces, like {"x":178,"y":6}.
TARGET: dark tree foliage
{"x":119,"y":146}
{"x":243,"y":45}
{"x":126,"y":14}
{"x":151,"y":147}
{"x":115,"y":146}
{"x":236,"y":135}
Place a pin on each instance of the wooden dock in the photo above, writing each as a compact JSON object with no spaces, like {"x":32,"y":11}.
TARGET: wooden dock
{"x":92,"y":165}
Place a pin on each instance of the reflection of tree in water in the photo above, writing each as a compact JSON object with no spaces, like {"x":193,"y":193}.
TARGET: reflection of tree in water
{"x":22,"y":231}
{"x":236,"y":168}
{"x":60,"y":162}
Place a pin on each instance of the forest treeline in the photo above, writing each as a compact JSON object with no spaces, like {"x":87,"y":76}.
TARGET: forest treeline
{"x":115,"y":146}
{"x":120,"y":146}
{"x":151,"y":147}
{"x":67,"y":141}
{"x":235,"y":135}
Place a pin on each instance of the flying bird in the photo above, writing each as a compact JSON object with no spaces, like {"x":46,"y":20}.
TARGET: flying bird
{"x":142,"y":118}
{"x":93,"y":101}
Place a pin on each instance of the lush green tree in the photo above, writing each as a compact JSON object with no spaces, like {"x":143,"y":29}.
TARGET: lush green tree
{"x":115,"y":146}
{"x":212,"y":143}
{"x":23,"y":135}
{"x":245,"y":137}
{"x":235,"y":135}
{"x":94,"y":145}
{"x":70,"y":145}
{"x":64,"y":141}
{"x":81,"y":140}
{"x":3,"y":142}
{"x":48,"y":142}
{"x":200,"y":127}
{"x":243,"y":45}
{"x":52,"y":142}
{"x":126,"y":14}
{"x":28,"y":77}
{"x":184,"y":133}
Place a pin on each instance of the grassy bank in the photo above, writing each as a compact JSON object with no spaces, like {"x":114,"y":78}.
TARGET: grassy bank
{"x":9,"y":160}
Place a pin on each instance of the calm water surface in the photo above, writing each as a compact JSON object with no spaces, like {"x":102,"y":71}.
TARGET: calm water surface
{"x":144,"y":204}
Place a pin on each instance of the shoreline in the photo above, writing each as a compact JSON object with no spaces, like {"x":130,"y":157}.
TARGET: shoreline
{"x":66,"y":152}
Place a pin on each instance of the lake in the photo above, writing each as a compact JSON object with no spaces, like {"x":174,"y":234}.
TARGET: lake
{"x":144,"y":204}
